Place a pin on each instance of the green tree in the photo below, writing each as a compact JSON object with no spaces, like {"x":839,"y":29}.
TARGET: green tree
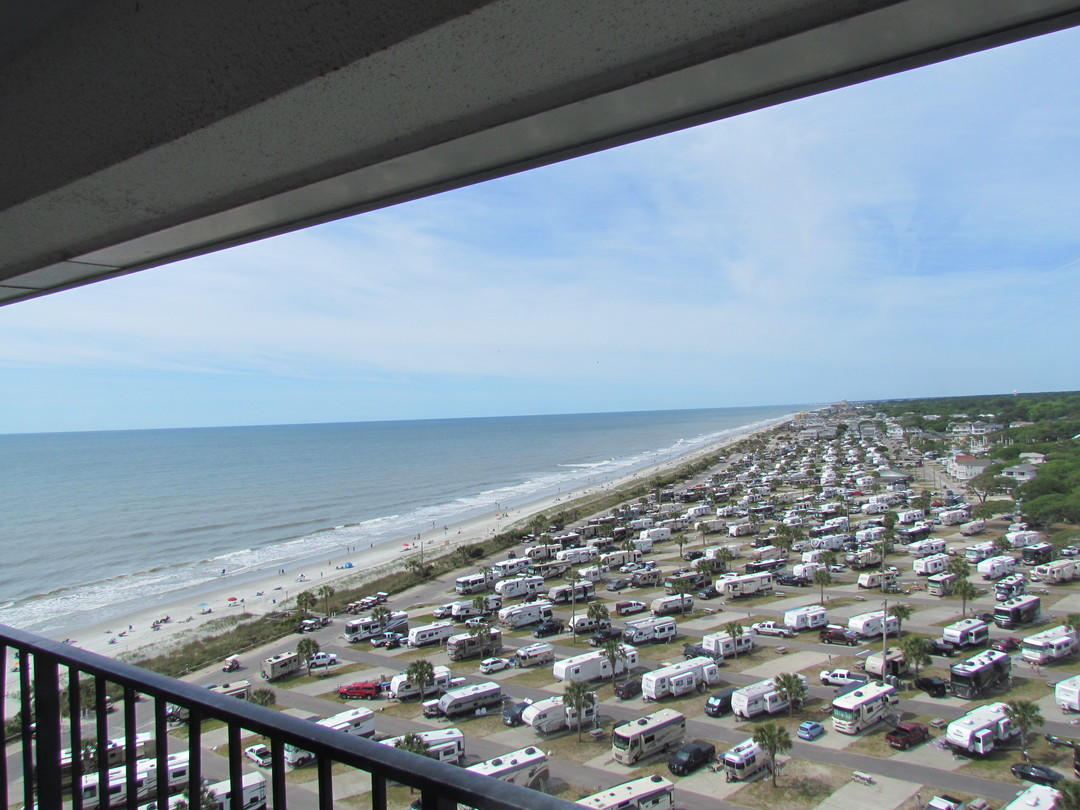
{"x":479,"y":603}
{"x":735,"y":630}
{"x":305,"y":602}
{"x":773,"y":739}
{"x":381,"y":614}
{"x":598,"y":612}
{"x":966,"y":591}
{"x":902,"y":614}
{"x":578,"y":696}
{"x":614,"y":652}
{"x":792,"y":688}
{"x":414,"y":744}
{"x":1073,"y":620}
{"x":959,"y":566}
{"x":822,"y":577}
{"x":1070,"y":795}
{"x":988,"y":482}
{"x":723,"y":557}
{"x":682,"y":588}
{"x":263,"y":696}
{"x":916,"y":650}
{"x":325,"y":592}
{"x":421,"y":673}
{"x":305,"y":648}
{"x":1025,"y":715}
{"x":681,"y":538}
{"x":207,"y":800}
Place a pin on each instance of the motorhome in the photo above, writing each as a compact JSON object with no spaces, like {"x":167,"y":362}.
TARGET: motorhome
{"x":1037,"y":797}
{"x":354,"y":722}
{"x":543,"y":553}
{"x":504,"y":569}
{"x":1056,"y":572}
{"x":475,"y":583}
{"x":1049,"y":645}
{"x":463,"y":646}
{"x":442,"y":745}
{"x":577,"y":556}
{"x":530,"y":613}
{"x":809,"y":617}
{"x":1067,"y":694}
{"x":368,"y":627}
{"x":527,"y":767}
{"x":567,"y":540}
{"x":890,"y":663}
{"x":594,"y":665}
{"x":680,"y":678}
{"x":583,"y":623}
{"x":552,"y":714}
{"x":567,"y":594}
{"x":981,"y":730}
{"x":519,"y":586}
{"x":475,"y":698}
{"x":924,"y":548}
{"x":941,"y":584}
{"x":660,"y":731}
{"x":533,"y":655}
{"x":143,"y":786}
{"x":654,"y":629}
{"x":966,"y":633}
{"x":736,"y":585}
{"x":462,"y":611}
{"x":863,"y":557}
{"x":434,"y":633}
{"x":744,"y":761}
{"x":669,"y":605}
{"x":993,"y":568}
{"x":648,"y":793}
{"x":685,"y":582}
{"x":1018,"y":611}
{"x":761,"y":697}
{"x":872,"y":624}
{"x":402,"y":688}
{"x":1010,"y":587}
{"x":972,"y":527}
{"x":1037,"y":554}
{"x":863,"y":707}
{"x":979,"y":552}
{"x":972,"y":678}
{"x":934,"y":564}
{"x":613,"y":559}
{"x":722,"y":645}
{"x":1022,"y":539}
{"x":281,"y":665}
{"x":115,"y":754}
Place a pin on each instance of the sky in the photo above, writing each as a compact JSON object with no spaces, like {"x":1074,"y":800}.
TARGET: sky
{"x":918,"y":235}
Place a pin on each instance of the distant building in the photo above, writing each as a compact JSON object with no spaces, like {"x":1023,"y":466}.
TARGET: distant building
{"x":964,"y":467}
{"x":1021,"y":472}
{"x":1033,"y":458}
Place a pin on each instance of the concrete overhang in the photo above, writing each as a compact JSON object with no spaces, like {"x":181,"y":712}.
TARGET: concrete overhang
{"x":139,"y":132}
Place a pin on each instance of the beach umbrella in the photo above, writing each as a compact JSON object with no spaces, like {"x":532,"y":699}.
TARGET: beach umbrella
{"x":231,"y":599}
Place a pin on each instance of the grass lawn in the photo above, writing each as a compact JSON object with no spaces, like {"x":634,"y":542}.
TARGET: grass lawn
{"x":565,"y":746}
{"x":873,"y":743}
{"x":1028,"y":689}
{"x":309,"y":773}
{"x":799,"y":785}
{"x":181,"y":730}
{"x":747,"y":660}
{"x":533,"y":676}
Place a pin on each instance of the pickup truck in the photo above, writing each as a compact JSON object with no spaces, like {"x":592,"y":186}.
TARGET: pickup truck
{"x":842,"y":677}
{"x":772,"y":629}
{"x":906,"y":735}
{"x":322,"y":659}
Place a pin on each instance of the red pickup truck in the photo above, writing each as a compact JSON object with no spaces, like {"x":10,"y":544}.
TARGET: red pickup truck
{"x":361,"y":689}
{"x":906,"y":735}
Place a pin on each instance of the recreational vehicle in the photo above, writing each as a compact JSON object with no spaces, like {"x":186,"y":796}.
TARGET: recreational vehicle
{"x":871,"y":625}
{"x":735,"y":585}
{"x":864,"y":557}
{"x":669,"y":605}
{"x":934,"y":564}
{"x":534,"y":654}
{"x":890,"y":663}
{"x":744,"y":761}
{"x":442,"y":745}
{"x":594,"y":665}
{"x":941,"y":584}
{"x":475,"y":583}
{"x":660,"y":731}
{"x":924,"y":548}
{"x":648,"y":793}
{"x":1067,"y":694}
{"x":115,"y":754}
{"x":519,"y":586}
{"x":966,"y":633}
{"x":466,"y":700}
{"x":979,"y":552}
{"x":614,"y":559}
{"x":1049,"y":645}
{"x":354,"y":722}
{"x":993,"y":568}
{"x":863,"y":707}
{"x":679,"y":678}
{"x":1056,"y":572}
{"x":810,"y":617}
{"x":552,"y":714}
{"x":435,"y":633}
{"x":722,"y":645}
{"x":1022,"y":539}
{"x":981,"y":730}
{"x":516,"y":616}
{"x":1010,"y":587}
{"x":367,"y":627}
{"x":759,"y":698}
{"x":577,"y":556}
{"x":527,"y":767}
{"x":655,"y":629}
{"x":972,"y":527}
{"x":587,"y":624}
{"x":566,"y":594}
{"x":401,"y":688}
{"x":543,"y":553}
{"x":685,"y":582}
{"x":281,"y":665}
{"x":885,"y":580}
{"x":1018,"y":611}
{"x":463,"y":646}
{"x":143,"y":786}
{"x":1037,"y":554}
{"x":972,"y":678}
{"x":504,"y":569}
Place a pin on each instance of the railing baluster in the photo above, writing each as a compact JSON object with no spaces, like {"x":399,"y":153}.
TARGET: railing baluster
{"x":27,"y":714}
{"x":431,"y":798}
{"x":194,"y":755}
{"x":161,"y":750}
{"x":101,"y":722}
{"x":131,"y":771}
{"x":75,"y":737}
{"x":326,"y":783}
{"x":3,"y":726}
{"x":277,"y":773}
{"x":47,"y":718}
{"x":378,"y":791}
{"x":236,"y":767}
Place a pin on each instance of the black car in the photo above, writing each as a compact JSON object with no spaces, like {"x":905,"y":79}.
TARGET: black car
{"x":708,"y":593}
{"x":598,"y":638}
{"x":1039,"y":774}
{"x":934,"y":687}
{"x":792,"y":581}
{"x":719,"y":702}
{"x":631,"y":687}
{"x":940,"y":646}
{"x":691,"y":757}
{"x":983,"y":616}
{"x":689,"y":556}
{"x":548,"y":627}
{"x":512,"y":712}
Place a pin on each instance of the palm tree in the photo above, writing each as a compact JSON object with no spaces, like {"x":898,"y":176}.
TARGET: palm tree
{"x":822,"y":577}
{"x":305,"y":601}
{"x":792,"y":688}
{"x":959,"y":566}
{"x":305,"y":648}
{"x":916,"y":650}
{"x":614,"y":652}
{"x":380,"y":614}
{"x":578,"y":695}
{"x":1001,"y":544}
{"x":828,"y":558}
{"x":681,"y":538}
{"x":682,"y":587}
{"x":479,"y":602}
{"x":735,"y":630}
{"x":1073,"y":621}
{"x":773,"y":739}
{"x":414,"y":744}
{"x":966,"y":591}
{"x":326,"y":591}
{"x":598,"y":612}
{"x":1025,"y":715}
{"x":902,"y":614}
{"x":723,"y":556}
{"x":422,"y":673}
{"x":263,"y":697}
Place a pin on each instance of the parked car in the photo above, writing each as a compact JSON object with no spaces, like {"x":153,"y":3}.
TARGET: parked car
{"x":512,"y":712}
{"x":691,"y":757}
{"x":771,"y":628}
{"x":837,"y":569}
{"x":490,"y":665}
{"x":835,"y":634}
{"x":630,"y":567}
{"x":627,"y":608}
{"x":842,"y":677}
{"x":631,"y":687}
{"x":719,"y":703}
{"x":1007,"y":644}
{"x":690,"y":556}
{"x":985,"y":616}
{"x":1039,"y":774}
{"x":939,"y":646}
{"x":443,"y":611}
{"x":360,"y":690}
{"x":809,"y":730}
{"x":548,"y":627}
{"x":618,"y":584}
{"x":792,"y":581}
{"x":323,"y":659}
{"x":934,"y":687}
{"x":708,"y":593}
{"x":905,"y":735}
{"x":388,"y":640}
{"x":1070,"y":551}
{"x":598,"y":638}
{"x":259,"y":754}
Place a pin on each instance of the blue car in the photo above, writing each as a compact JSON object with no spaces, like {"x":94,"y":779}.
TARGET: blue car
{"x":810,"y":730}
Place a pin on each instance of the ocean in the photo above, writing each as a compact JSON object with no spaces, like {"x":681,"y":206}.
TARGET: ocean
{"x":95,"y":523}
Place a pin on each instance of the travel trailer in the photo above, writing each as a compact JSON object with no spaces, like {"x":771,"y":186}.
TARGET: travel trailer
{"x":115,"y":754}
{"x":981,"y":730}
{"x":467,"y":700}
{"x":1067,"y":694}
{"x":966,"y":633}
{"x":972,"y":527}
{"x":519,"y":586}
{"x":427,"y":634}
{"x":401,"y":688}
{"x":655,"y":629}
{"x":530,"y":613}
{"x":552,"y":714}
{"x":660,"y":731}
{"x":934,"y":564}
{"x":685,"y":582}
{"x":722,"y":645}
{"x":810,"y":617}
{"x":759,"y":698}
{"x":861,"y":708}
{"x":1056,"y":572}
{"x":281,"y":665}
{"x":543,"y":553}
{"x":924,"y":548}
{"x":463,"y":646}
{"x":475,"y":583}
{"x":510,"y":568}
{"x":744,"y":761}
{"x":527,"y":767}
{"x":551,"y":570}
{"x":870,"y":625}
{"x":736,"y":585}
{"x":354,"y":722}
{"x":1049,"y":645}
{"x":864,"y":557}
{"x":890,"y":663}
{"x":886,"y":579}
{"x":648,"y":793}
{"x":670,"y":605}
{"x":594,"y":665}
{"x":566,"y":594}
{"x":584,"y":623}
{"x":1022,"y":539}
{"x":993,"y":568}
{"x":143,"y":786}
{"x":680,"y":678}
{"x":534,"y":655}
{"x":613,"y":559}
{"x":442,"y":745}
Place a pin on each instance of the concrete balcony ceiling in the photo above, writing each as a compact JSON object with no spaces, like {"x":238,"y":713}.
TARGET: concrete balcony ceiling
{"x":138,"y":132}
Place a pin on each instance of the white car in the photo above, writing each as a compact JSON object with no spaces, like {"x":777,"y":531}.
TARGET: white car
{"x":477,"y":621}
{"x":630,"y":568}
{"x":442,"y":611}
{"x":490,"y":665}
{"x":259,"y":754}
{"x":842,"y":677}
{"x":772,"y":629}
{"x":323,"y":659}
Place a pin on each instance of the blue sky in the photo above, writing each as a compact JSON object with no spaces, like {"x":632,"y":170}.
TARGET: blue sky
{"x":915,"y":236}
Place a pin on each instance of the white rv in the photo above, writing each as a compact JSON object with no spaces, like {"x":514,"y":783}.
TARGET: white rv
{"x":1018,"y":611}
{"x":527,"y":767}
{"x":979,"y":552}
{"x":516,"y":616}
{"x":510,"y":568}
{"x":924,"y":548}
{"x":966,"y":633}
{"x":402,"y":688}
{"x":872,"y":535}
{"x":654,"y":629}
{"x":567,"y":594}
{"x":443,"y":744}
{"x":552,"y":714}
{"x":648,"y":793}
{"x":953,"y":517}
{"x":864,"y":557}
{"x":366,"y":627}
{"x":519,"y":586}
{"x":679,"y":678}
{"x":465,"y":645}
{"x":1056,"y":572}
{"x":583,"y":623}
{"x":996,"y":567}
{"x":1035,"y":797}
{"x":809,"y":617}
{"x":759,"y":698}
{"x":552,"y":569}
{"x":869,"y":625}
{"x":669,"y":605}
{"x":1010,"y":587}
{"x":735,"y":585}
{"x":741,"y":529}
{"x":466,"y":700}
{"x":281,"y":665}
{"x":883,"y":664}
{"x":1022,"y":539}
{"x":534,"y":655}
{"x":910,"y":516}
{"x":972,"y":527}
{"x":616,"y":558}
{"x":863,"y":707}
{"x":1049,"y":645}
{"x":475,"y":583}
{"x":941,"y":584}
{"x":877,"y":579}
{"x":435,"y":633}
{"x":660,"y":731}
{"x":577,"y":556}
{"x":934,"y":564}
{"x":981,"y":730}
{"x":806,"y":571}
{"x":593,"y":665}
{"x":723,"y":645}
{"x":656,"y":535}
{"x":744,"y":761}
{"x":461,"y":611}
{"x":1067,"y":694}
{"x":354,"y":722}
{"x":543,"y":553}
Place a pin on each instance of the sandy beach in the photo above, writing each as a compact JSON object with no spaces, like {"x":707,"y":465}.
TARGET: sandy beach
{"x":190,"y":614}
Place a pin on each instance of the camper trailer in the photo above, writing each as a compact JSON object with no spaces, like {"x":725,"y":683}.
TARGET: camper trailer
{"x":543,"y":553}
{"x":759,"y":698}
{"x":566,"y":594}
{"x":934,"y":564}
{"x":551,"y":570}
{"x":972,"y":527}
{"x":924,"y":548}
{"x":680,"y":678}
{"x":890,"y":663}
{"x":655,"y":629}
{"x":503,"y":569}
{"x":966,"y":633}
{"x":613,"y":559}
{"x":583,"y":623}
{"x":1067,"y":694}
{"x":670,"y":605}
{"x":861,"y":708}
{"x":427,"y":634}
{"x":864,"y":557}
{"x":527,"y":767}
{"x":1049,"y":645}
{"x":442,"y":745}
{"x":722,"y":645}
{"x":736,"y":585}
{"x":552,"y":714}
{"x":354,"y":722}
{"x":981,"y":730}
{"x":533,"y":655}
{"x":886,"y":580}
{"x":463,"y":646}
{"x":870,"y":625}
{"x":994,"y":568}
{"x":685,"y":582}
{"x":519,"y":586}
{"x":660,"y":731}
{"x":594,"y":665}
{"x":1022,"y":539}
{"x":516,"y":616}
{"x":810,"y":617}
{"x":1019,"y":610}
{"x":401,"y":688}
{"x":1057,"y":572}
{"x":466,"y":700}
{"x":971,"y":679}
{"x":116,"y":753}
{"x":475,"y":583}
{"x":367,"y":627}
{"x":953,"y":517}
{"x":647,"y":793}
{"x":281,"y":665}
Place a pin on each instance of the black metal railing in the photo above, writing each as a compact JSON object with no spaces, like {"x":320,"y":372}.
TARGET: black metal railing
{"x":52,"y":707}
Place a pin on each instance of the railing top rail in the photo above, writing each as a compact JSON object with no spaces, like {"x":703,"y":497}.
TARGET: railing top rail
{"x":455,"y":783}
